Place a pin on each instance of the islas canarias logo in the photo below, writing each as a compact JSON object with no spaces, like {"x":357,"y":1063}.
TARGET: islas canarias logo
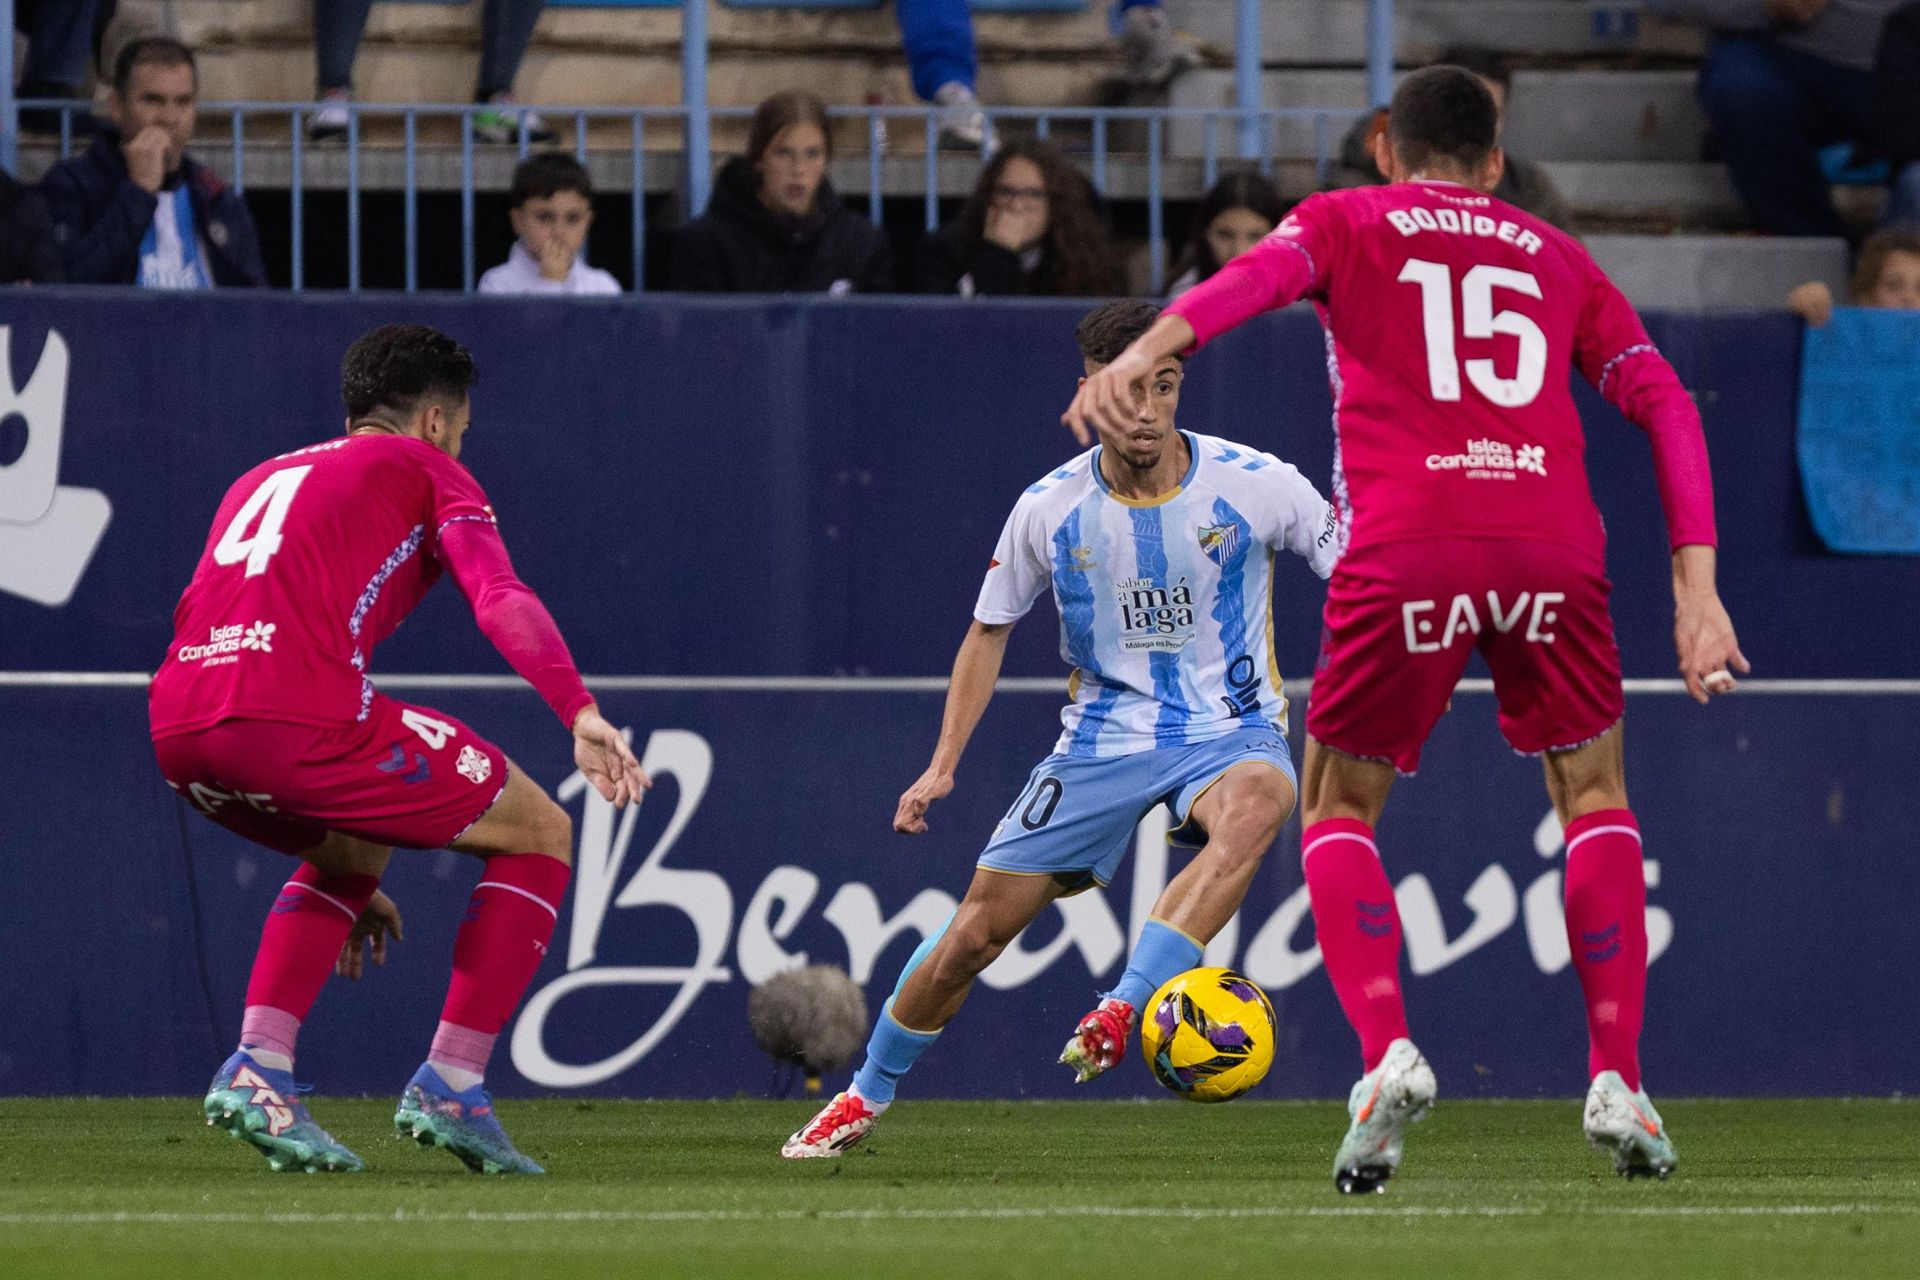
{"x":48,"y":531}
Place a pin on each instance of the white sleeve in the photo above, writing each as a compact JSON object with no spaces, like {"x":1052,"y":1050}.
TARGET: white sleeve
{"x":1018,"y":573}
{"x":1303,"y":521}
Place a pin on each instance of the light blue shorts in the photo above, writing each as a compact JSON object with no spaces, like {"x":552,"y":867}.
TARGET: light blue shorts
{"x":1075,"y":817}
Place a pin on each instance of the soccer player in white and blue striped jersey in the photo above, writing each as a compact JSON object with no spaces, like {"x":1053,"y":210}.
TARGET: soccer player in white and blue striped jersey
{"x":1158,"y":545}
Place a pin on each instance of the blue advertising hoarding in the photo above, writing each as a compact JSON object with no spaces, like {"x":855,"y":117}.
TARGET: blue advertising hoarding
{"x":781,"y":511}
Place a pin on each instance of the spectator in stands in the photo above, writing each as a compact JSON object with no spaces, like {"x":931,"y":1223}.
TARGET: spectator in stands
{"x":28,"y":254}
{"x":134,"y":208}
{"x":1524,"y":184}
{"x":1030,"y":227}
{"x":937,"y":36}
{"x":551,"y":208}
{"x":1233,"y":217}
{"x":1895,"y":103}
{"x":61,"y":37}
{"x":775,"y":224}
{"x":1154,"y":55}
{"x":1887,"y":275}
{"x":1782,"y":79}
{"x":506,"y":28}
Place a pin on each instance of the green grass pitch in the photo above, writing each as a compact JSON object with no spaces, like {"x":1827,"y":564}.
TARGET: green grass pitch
{"x":1801,"y":1189}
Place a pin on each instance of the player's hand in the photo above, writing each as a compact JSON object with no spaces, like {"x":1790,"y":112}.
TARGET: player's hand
{"x":146,"y":156}
{"x":1703,"y":635}
{"x":603,"y":756}
{"x":1109,"y":398}
{"x":380,"y":921}
{"x":910,"y":819}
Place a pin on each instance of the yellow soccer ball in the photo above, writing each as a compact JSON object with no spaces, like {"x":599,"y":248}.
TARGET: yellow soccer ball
{"x":1208,"y":1034}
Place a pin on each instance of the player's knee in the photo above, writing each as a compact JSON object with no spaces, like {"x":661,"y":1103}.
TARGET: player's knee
{"x":969,"y":947}
{"x":1247,"y":829}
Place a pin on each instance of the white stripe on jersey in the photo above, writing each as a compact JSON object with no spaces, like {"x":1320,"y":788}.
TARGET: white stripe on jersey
{"x":1165,"y":606}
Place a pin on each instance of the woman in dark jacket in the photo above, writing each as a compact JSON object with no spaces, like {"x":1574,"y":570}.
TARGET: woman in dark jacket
{"x":1031,"y":227}
{"x":774,"y":224}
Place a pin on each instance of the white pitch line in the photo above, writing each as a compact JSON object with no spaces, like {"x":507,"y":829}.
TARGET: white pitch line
{"x":661,"y":1216}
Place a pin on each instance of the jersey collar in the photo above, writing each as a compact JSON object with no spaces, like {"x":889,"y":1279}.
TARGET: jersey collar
{"x":1193,"y":465}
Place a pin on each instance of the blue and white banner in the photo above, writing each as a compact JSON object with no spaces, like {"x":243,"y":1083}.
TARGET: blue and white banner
{"x":1780,"y":876}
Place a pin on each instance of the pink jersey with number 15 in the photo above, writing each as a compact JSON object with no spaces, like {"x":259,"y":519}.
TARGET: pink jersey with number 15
{"x":1453,"y":321}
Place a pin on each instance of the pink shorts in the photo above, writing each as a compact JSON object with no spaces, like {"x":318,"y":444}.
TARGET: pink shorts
{"x":1403,"y":617}
{"x":405,"y":776}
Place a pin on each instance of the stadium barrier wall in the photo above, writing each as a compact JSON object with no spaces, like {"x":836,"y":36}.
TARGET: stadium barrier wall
{"x":761,"y":497}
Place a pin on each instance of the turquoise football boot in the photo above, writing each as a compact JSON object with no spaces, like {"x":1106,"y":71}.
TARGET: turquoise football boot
{"x":433,"y":1114}
{"x":1386,"y":1100}
{"x":261,"y":1107}
{"x":1623,"y":1121}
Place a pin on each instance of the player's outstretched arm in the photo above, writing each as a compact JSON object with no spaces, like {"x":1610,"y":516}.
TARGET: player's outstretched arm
{"x":975,"y":670}
{"x":1702,"y":630}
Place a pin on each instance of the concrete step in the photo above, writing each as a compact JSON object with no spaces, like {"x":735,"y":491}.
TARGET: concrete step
{"x":1689,"y":271}
{"x":263,"y":50}
{"x":1553,"y":115}
{"x":1605,"y":115}
{"x":1302,"y":138}
{"x":1332,"y":32}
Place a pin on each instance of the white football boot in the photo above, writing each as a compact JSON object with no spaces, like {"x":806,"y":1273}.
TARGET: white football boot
{"x":1622,"y":1121}
{"x":840,"y":1124}
{"x":1386,"y":1100}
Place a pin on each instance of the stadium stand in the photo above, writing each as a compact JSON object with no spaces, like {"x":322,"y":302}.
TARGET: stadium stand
{"x":1603,"y":97}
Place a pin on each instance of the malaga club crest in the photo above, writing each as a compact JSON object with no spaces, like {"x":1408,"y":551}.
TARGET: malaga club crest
{"x":1220,"y":541}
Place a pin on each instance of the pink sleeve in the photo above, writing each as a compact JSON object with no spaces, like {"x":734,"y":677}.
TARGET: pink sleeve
{"x":1616,"y":356}
{"x":511,"y":616}
{"x":1289,"y":264}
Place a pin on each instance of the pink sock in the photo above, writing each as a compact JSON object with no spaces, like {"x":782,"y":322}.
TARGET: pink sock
{"x":1607,"y":930}
{"x":301,"y":940}
{"x":500,"y":944}
{"x":1359,"y":928}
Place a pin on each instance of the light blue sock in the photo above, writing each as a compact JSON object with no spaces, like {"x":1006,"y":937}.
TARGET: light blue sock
{"x":891,"y":1053}
{"x":1162,"y":952}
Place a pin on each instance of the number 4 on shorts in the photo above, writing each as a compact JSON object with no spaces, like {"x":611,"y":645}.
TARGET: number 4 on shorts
{"x":432,"y":732}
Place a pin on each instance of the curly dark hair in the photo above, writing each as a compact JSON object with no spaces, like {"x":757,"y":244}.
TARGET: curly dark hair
{"x":1246,"y":190}
{"x":1077,"y":260}
{"x":398,"y":367}
{"x":1111,"y":327}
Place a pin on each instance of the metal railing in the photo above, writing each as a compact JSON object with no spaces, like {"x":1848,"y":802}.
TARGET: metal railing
{"x":279,"y":127}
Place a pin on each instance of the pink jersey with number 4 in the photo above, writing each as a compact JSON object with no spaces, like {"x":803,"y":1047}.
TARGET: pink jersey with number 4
{"x":1452,"y":321}
{"x":314,"y":558}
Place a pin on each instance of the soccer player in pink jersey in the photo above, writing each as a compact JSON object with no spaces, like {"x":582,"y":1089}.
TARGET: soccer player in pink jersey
{"x":264,"y":719}
{"x":1453,"y":321}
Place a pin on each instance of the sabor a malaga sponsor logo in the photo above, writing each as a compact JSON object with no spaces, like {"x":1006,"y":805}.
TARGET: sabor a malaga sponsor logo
{"x":48,"y":531}
{"x":1492,"y":460}
{"x":1153,"y":615}
{"x":225,"y":643}
{"x":1273,"y":949}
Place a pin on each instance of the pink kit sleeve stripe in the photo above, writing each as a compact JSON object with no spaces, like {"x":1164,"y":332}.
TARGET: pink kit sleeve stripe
{"x":511,"y":616}
{"x":1273,"y":273}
